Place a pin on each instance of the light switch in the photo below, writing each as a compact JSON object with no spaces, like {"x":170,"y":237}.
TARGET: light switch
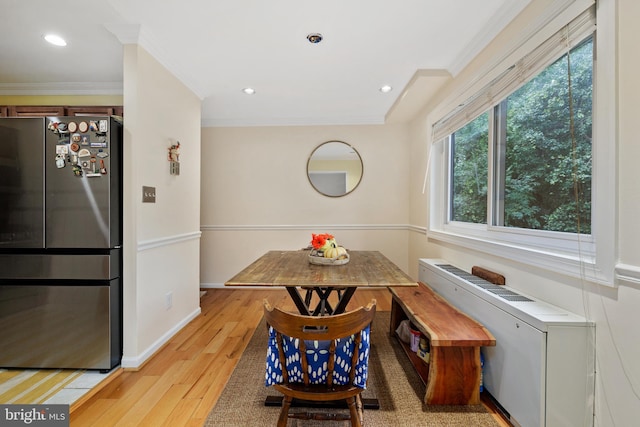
{"x":148,"y":194}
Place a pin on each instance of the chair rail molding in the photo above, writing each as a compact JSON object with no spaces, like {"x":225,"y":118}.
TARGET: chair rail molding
{"x":168,"y":240}
{"x":284,"y":227}
{"x":628,"y":274}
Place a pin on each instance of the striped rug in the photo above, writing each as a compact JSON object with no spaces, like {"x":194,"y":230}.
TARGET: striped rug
{"x":59,"y":386}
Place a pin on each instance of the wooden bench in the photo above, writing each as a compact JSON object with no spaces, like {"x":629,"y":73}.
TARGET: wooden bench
{"x":452,"y":376}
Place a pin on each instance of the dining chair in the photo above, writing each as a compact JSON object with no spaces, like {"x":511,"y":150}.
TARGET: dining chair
{"x":319,"y":359}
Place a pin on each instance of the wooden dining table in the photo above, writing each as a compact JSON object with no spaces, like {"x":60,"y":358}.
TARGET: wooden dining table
{"x":292,"y":270}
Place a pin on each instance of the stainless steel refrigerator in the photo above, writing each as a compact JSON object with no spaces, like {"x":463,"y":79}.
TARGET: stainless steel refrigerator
{"x":61,"y":242}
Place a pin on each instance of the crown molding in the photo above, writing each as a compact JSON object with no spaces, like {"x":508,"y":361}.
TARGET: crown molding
{"x":125,"y":33}
{"x":291,"y":121}
{"x":62,"y":88}
{"x":502,"y":19}
{"x":137,"y":34}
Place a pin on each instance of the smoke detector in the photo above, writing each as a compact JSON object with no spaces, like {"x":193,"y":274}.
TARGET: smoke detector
{"x":314,"y":38}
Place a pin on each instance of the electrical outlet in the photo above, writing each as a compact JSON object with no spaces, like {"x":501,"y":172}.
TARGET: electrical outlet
{"x":168,"y":300}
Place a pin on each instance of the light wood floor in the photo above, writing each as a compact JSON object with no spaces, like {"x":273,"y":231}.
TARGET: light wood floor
{"x":182,"y":382}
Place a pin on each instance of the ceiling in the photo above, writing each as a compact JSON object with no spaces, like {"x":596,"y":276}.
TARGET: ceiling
{"x":217,"y":48}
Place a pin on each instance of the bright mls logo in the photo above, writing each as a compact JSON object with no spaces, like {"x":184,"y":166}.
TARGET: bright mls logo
{"x":34,"y":415}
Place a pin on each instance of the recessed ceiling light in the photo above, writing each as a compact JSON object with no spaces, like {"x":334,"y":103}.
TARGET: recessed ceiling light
{"x":55,"y":40}
{"x":385,"y":89}
{"x":249,"y":90}
{"x":314,"y":38}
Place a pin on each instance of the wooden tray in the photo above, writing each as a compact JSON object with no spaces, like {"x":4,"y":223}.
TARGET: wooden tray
{"x":320,"y":260}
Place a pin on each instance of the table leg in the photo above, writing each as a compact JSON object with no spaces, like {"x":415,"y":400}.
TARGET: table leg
{"x":323,"y":307}
{"x":344,"y":300}
{"x":298,"y":301}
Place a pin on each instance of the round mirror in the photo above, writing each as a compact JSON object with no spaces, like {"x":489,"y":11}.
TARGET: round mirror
{"x":334,"y":168}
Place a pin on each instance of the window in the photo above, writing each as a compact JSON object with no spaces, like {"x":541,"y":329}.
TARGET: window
{"x":513,"y":168}
{"x":469,"y":160}
{"x":542,"y":146}
{"x":532,"y":149}
{"x":544,"y":138}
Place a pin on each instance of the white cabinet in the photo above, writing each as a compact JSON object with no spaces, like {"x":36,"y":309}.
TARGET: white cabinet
{"x":541,"y":370}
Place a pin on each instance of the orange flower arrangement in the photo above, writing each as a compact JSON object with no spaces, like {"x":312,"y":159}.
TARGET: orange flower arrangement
{"x":319,"y":240}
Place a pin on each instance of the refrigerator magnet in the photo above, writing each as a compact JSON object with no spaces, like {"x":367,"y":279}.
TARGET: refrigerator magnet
{"x":60,"y":161}
{"x":62,"y":149}
{"x":72,"y":126}
{"x":83,"y":127}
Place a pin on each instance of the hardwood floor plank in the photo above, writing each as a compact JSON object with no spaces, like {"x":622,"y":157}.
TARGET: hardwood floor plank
{"x":119,"y":411}
{"x":220,"y":338}
{"x":182,"y":414}
{"x":193,"y":369}
{"x":88,"y":415}
{"x":155,"y":406}
{"x":211,"y":395}
{"x":181,"y":383}
{"x":212,"y":377}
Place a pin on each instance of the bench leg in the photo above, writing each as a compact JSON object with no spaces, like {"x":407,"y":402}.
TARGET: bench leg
{"x":454,"y":376}
{"x":397,"y":316}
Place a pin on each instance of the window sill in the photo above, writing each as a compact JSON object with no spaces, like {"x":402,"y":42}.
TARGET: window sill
{"x":577,"y":265}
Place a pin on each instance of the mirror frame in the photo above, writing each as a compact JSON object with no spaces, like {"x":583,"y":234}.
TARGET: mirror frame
{"x":361,"y":168}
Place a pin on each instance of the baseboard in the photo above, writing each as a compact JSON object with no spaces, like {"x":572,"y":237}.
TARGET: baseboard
{"x":222,"y":286}
{"x":137,"y":362}
{"x":212,"y":285}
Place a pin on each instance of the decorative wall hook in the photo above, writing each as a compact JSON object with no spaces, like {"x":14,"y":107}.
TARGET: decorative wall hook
{"x":174,"y":159}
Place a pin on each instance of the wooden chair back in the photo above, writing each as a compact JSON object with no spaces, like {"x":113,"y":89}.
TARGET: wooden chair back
{"x":321,"y":328}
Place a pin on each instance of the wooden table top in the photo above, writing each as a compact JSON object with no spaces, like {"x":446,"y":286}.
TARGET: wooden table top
{"x":292,"y":268}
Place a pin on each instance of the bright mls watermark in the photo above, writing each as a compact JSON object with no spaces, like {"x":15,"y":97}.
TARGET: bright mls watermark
{"x":34,"y":415}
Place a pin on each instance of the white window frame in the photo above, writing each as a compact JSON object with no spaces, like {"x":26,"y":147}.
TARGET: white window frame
{"x":591,"y":257}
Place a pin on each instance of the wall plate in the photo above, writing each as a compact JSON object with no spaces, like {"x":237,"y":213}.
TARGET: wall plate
{"x":148,"y":194}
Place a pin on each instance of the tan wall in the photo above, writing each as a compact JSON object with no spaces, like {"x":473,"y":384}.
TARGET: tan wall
{"x":256,"y":195}
{"x":615,"y":311}
{"x":161,"y":241}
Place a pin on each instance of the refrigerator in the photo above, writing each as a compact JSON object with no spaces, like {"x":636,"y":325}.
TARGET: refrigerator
{"x":61,"y":242}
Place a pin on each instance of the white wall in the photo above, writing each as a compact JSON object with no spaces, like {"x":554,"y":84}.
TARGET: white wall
{"x":256,"y":195}
{"x":615,"y":310}
{"x":161,"y":240}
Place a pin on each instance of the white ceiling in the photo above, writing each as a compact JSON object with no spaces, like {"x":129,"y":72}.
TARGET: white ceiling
{"x":217,"y":48}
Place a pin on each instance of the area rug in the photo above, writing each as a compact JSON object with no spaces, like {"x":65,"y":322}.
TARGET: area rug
{"x":392,"y":380}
